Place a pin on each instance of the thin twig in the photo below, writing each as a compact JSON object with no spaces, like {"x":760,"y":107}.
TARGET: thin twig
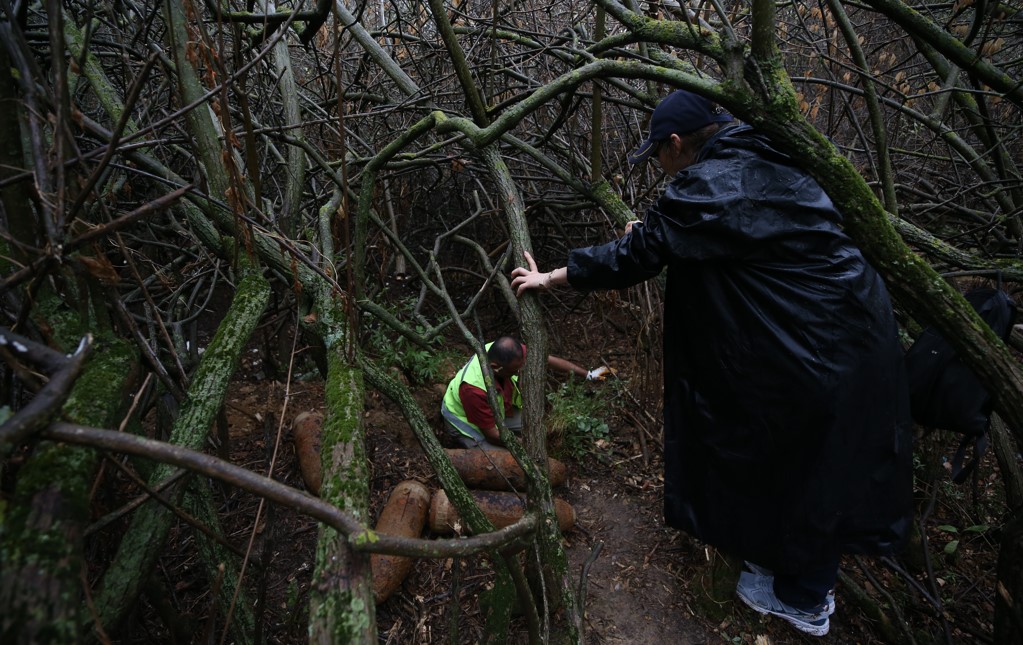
{"x":47,"y":403}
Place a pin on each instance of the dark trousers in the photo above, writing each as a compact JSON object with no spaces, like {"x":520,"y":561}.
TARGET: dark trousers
{"x":513,"y":423}
{"x":807,"y":589}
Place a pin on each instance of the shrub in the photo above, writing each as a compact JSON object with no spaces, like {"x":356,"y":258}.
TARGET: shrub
{"x":576,"y":423}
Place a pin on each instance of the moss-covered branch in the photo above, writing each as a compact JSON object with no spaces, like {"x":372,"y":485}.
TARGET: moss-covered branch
{"x":341,"y":606}
{"x":952,"y":48}
{"x":549,"y":547}
{"x":644,"y":29}
{"x":48,"y":400}
{"x":143,"y":541}
{"x":462,"y":71}
{"x":41,"y":533}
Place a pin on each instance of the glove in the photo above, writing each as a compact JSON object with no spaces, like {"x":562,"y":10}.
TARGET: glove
{"x":599,"y":373}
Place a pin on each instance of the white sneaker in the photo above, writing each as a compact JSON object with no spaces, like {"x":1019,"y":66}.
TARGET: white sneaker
{"x":758,"y":592}
{"x":761,"y":571}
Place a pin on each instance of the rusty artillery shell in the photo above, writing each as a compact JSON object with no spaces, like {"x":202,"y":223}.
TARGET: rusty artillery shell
{"x":307,"y":431}
{"x":496,"y":469}
{"x":404,"y":515}
{"x":501,"y":508}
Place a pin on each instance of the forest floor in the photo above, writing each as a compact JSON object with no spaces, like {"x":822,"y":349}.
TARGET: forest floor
{"x":635,"y":586}
{"x":641,"y":588}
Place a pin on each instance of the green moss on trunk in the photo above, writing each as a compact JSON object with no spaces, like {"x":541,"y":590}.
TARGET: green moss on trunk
{"x":142,"y":543}
{"x":199,"y":503}
{"x":41,"y":535}
{"x":341,"y":607}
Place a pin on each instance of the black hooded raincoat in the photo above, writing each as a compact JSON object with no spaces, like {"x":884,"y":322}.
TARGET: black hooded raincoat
{"x":785,"y":410}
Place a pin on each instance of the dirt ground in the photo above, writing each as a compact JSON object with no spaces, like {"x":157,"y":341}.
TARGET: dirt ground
{"x":639,"y":576}
{"x":634,"y":587}
{"x":637,"y":571}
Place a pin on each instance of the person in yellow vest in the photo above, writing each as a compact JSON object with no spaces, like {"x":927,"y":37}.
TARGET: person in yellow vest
{"x":468,"y":418}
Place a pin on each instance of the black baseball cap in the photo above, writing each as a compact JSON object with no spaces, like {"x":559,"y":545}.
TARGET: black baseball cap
{"x":681,"y":112}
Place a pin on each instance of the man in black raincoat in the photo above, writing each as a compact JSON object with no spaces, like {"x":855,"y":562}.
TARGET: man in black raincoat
{"x":786,"y":427}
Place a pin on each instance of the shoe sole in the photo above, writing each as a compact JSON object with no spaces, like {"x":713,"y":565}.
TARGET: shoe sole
{"x":806,"y":628}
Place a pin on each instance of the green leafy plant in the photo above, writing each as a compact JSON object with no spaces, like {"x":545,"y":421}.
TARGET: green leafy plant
{"x":953,"y":545}
{"x":576,"y":421}
{"x":419,"y":364}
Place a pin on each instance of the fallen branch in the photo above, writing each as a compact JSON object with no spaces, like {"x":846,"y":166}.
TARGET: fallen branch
{"x":360,"y":537}
{"x":894,"y":631}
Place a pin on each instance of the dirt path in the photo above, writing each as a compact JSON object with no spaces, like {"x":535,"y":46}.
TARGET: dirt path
{"x":632,"y":595}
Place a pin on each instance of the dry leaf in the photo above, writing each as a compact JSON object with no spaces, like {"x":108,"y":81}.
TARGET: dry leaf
{"x":100,"y":268}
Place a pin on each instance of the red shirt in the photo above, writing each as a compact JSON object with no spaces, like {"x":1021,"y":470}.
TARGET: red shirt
{"x":477,"y":408}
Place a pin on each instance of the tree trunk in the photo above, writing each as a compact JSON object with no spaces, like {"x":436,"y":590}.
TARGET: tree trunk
{"x":296,"y":161}
{"x":1006,"y":452}
{"x":341,"y":606}
{"x":551,"y":552}
{"x":41,"y":535}
{"x":16,"y":199}
{"x":142,"y":543}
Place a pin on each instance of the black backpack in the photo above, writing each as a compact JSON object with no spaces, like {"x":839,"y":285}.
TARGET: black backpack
{"x":944,"y":393}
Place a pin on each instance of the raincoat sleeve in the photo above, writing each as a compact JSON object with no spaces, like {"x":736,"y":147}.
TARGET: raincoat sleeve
{"x":720,"y":209}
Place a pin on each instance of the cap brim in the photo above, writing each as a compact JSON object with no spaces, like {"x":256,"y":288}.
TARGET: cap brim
{"x":642,"y":153}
